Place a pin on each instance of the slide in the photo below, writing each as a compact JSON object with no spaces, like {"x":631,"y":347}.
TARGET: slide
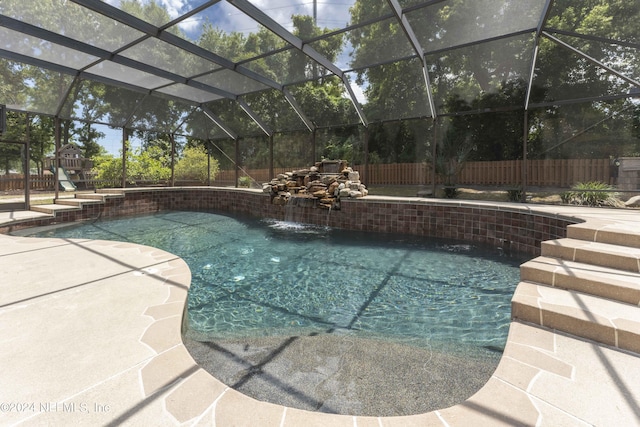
{"x":65,"y":182}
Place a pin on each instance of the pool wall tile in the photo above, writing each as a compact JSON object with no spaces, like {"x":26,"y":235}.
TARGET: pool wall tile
{"x":513,"y":228}
{"x":518,"y":227}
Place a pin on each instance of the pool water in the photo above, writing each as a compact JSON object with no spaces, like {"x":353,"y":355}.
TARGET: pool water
{"x":257,"y":278}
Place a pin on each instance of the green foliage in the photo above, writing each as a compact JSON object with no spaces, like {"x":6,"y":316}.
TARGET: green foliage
{"x":453,"y":150}
{"x":482,"y":76}
{"x":108,"y":171}
{"x":593,"y":193}
{"x":244,"y":181}
{"x":193,"y":165}
{"x":151,"y":166}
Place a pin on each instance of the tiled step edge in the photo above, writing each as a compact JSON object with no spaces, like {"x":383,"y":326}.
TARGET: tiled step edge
{"x":602,"y":254}
{"x":619,"y":233}
{"x":79,"y":202}
{"x":94,"y":196}
{"x":609,"y":322}
{"x":110,"y":192}
{"x":53,"y":209}
{"x":623,"y":286}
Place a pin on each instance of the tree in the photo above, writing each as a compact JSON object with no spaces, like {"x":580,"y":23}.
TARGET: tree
{"x":493,"y":75}
{"x":150,"y":166}
{"x":194,"y":165}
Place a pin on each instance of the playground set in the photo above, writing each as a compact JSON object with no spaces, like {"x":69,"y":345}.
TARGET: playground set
{"x":74,"y":170}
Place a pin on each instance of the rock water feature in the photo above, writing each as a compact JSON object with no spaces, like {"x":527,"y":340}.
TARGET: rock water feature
{"x":322,"y":185}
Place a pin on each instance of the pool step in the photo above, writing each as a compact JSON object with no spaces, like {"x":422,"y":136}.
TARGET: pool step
{"x":79,"y":202}
{"x":110,"y":192}
{"x":625,"y":258}
{"x":615,"y":233}
{"x":52,"y":209}
{"x":587,"y":284}
{"x":610,"y":283}
{"x":595,"y":318}
{"x":75,"y":204}
{"x":95,"y":196}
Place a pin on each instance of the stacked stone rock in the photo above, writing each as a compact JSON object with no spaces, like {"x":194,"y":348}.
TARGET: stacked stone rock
{"x":321,"y":185}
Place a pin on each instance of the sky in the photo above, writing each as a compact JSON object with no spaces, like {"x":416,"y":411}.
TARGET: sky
{"x":330,"y":14}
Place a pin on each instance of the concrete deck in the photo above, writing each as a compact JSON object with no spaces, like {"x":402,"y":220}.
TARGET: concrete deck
{"x":99,"y":343}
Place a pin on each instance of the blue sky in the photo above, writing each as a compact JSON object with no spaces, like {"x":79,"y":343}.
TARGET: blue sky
{"x":330,"y":13}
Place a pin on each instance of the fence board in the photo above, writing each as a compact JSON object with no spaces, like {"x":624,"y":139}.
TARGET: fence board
{"x":540,"y":173}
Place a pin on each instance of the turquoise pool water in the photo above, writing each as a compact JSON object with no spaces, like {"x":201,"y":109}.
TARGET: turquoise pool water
{"x":270,"y":278}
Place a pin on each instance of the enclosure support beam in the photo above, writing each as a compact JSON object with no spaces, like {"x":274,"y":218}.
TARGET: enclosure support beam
{"x":616,"y":73}
{"x":124,"y":157}
{"x":433,"y":156}
{"x":271,"y":170}
{"x":365,"y":179}
{"x":208,"y":163}
{"x":27,"y":168}
{"x":215,"y":119}
{"x":172,"y":138}
{"x":261,"y":124}
{"x":354,"y":101}
{"x":296,"y":107}
{"x":236,"y":165}
{"x":415,"y":43}
{"x":55,"y":156}
{"x":534,"y":60}
{"x":525,"y":166}
{"x":313,"y":146}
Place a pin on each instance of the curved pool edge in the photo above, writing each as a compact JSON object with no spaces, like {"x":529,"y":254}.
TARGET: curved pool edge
{"x":100,"y":344}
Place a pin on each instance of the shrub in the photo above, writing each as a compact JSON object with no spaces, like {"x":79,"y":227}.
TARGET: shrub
{"x":593,"y":193}
{"x":244,"y":181}
{"x":514,"y":195}
{"x":451,"y":192}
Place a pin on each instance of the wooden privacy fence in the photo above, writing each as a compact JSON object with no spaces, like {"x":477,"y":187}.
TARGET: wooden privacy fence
{"x":15,"y":181}
{"x":540,"y":173}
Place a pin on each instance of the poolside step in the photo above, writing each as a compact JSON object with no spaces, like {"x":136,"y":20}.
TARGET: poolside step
{"x":615,"y":233}
{"x":78,"y":202}
{"x":609,"y":322}
{"x":110,"y":192}
{"x":52,"y":209}
{"x":93,"y":196}
{"x":601,"y":254}
{"x":614,"y":284}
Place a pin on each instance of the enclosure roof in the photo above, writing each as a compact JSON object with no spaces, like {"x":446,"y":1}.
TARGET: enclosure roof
{"x":230,"y":68}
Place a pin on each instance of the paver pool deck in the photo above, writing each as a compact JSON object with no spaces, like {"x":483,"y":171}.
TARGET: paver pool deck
{"x":90,"y":334}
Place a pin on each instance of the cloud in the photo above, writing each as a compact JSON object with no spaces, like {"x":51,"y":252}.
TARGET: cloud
{"x":330,"y":13}
{"x":174,"y":7}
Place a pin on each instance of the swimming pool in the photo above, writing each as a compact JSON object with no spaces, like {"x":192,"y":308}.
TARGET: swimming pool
{"x":257,"y":278}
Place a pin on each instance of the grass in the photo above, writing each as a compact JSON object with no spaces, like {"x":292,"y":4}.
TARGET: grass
{"x":492,"y":194}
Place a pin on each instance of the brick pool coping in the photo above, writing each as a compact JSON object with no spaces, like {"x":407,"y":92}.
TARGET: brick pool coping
{"x":91,"y":330}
